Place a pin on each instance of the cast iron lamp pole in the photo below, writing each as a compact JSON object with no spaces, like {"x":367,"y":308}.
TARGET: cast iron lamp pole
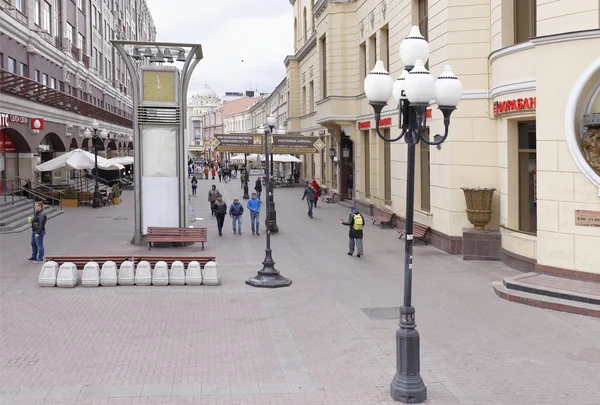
{"x":246,"y":196}
{"x":97,"y":201}
{"x":414,"y":91}
{"x":268,"y":276}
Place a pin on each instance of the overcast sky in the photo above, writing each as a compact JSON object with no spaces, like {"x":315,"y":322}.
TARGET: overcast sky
{"x":259,"y":32}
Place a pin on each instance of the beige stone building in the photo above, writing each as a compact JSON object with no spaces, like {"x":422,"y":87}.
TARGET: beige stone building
{"x":530,"y":71}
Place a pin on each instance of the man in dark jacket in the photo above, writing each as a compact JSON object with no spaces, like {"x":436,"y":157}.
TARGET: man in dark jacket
{"x":38,"y":231}
{"x":258,"y":187}
{"x":309,"y":194}
{"x":220,"y":209}
{"x":356,"y":223}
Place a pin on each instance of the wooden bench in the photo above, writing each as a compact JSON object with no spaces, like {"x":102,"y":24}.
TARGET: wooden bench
{"x":385,"y":217}
{"x":329,"y":197}
{"x":172,"y":235}
{"x":85,"y":198}
{"x":419,"y":232}
{"x":81,"y":261}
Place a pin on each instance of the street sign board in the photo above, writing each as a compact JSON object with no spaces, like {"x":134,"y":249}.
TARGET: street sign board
{"x":297,"y":144}
{"x":240,"y":143}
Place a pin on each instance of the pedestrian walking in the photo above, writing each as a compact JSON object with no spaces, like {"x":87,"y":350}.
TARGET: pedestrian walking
{"x":317,"y":189}
{"x":235,"y":212}
{"x":206,"y":172}
{"x":212,"y":197}
{"x":309,"y":194}
{"x":220,"y":173}
{"x":190,"y":171}
{"x":254,"y":208}
{"x":356,"y":223}
{"x":258,"y":187}
{"x":350,"y":185}
{"x":220,"y":209}
{"x":243,"y":178}
{"x":194,"y":184}
{"x":213,"y":171}
{"x":38,"y":231}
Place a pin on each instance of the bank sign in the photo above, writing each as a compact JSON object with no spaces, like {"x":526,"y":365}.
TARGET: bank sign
{"x":6,"y":118}
{"x":516,"y":105}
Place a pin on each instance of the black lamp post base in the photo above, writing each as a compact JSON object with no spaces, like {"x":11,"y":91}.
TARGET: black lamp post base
{"x":408,"y":386}
{"x":273,"y":223}
{"x":97,"y":202}
{"x":268,"y":276}
{"x":246,"y":196}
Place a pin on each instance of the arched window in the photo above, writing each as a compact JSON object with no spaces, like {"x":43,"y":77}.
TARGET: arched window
{"x":295,"y":32}
{"x":305,"y":24}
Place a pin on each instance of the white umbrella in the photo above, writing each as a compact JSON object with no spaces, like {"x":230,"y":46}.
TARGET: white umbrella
{"x":77,"y":160}
{"x":125,"y":160}
{"x":286,"y":158}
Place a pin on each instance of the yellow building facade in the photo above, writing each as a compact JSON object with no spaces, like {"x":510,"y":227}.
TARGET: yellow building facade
{"x":530,"y":86}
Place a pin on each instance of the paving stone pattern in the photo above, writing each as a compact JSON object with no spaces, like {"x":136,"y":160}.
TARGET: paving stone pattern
{"x":312,"y":343}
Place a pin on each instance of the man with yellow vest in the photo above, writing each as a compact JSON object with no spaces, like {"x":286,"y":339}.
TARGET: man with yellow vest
{"x":356,"y":222}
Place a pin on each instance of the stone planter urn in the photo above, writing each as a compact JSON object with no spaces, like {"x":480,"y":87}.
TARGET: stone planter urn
{"x":479,"y":206}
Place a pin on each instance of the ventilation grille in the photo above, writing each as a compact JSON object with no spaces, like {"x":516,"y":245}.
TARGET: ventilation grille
{"x":159,"y":115}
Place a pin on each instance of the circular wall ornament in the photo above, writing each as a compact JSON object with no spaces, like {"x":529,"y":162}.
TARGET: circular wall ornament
{"x":582,"y":125}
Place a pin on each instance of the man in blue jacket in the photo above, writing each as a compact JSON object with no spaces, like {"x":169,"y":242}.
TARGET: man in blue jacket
{"x":254,"y":208}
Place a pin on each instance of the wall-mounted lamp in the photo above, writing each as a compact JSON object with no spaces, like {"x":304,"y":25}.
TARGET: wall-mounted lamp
{"x":332,"y":153}
{"x":346,"y":152}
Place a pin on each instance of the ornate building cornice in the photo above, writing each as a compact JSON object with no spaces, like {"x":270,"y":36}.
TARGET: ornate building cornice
{"x":319,"y":8}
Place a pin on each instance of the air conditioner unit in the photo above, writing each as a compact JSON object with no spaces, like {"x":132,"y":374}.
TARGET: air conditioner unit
{"x":66,"y":44}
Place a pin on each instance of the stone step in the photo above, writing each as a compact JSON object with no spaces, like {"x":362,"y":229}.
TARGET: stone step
{"x":8,"y":206}
{"x":520,"y":283}
{"x":540,"y":300}
{"x":18,"y":212}
{"x":20,"y":224}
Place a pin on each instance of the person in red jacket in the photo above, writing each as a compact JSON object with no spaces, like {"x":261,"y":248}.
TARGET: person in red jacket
{"x":317,"y":188}
{"x":213,"y":171}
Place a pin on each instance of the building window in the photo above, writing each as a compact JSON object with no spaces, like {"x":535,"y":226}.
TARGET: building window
{"x":70,"y":30}
{"x":95,"y":58}
{"x":367,"y":162}
{"x":23,"y":69}
{"x":94,"y":16}
{"x":525,"y":20}
{"x":12,"y":65}
{"x":372,"y":52}
{"x":36,"y":75}
{"x":527,"y":177}
{"x":324,"y":65}
{"x":80,"y":4}
{"x":423,"y":20}
{"x":44,"y":79}
{"x":425,"y":173}
{"x":362,"y":60}
{"x":20,"y":5}
{"x":52,"y":83}
{"x":387,"y":169}
{"x":36,"y":12}
{"x":57,"y":28}
{"x":48,"y":17}
{"x":303,"y":110}
{"x":384,"y":47}
{"x":80,"y":40}
{"x":311,"y":96}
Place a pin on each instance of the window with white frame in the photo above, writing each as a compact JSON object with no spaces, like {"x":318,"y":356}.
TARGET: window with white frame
{"x":36,"y":13}
{"x":44,"y":79}
{"x":70,"y":30}
{"x":48,"y":17}
{"x":80,"y":4}
{"x":20,"y":5}
{"x":12,"y":65}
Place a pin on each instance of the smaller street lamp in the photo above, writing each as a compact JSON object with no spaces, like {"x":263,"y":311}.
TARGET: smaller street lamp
{"x":332,"y":153}
{"x":414,"y":90}
{"x":268,"y":276}
{"x":97,"y":202}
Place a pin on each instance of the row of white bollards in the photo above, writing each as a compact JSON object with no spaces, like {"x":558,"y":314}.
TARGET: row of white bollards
{"x":67,"y":275}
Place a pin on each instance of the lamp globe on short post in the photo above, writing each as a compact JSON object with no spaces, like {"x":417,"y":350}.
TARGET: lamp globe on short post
{"x":414,"y":90}
{"x":268,"y":276}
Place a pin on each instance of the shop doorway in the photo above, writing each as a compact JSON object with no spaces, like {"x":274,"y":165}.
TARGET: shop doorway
{"x":346,"y":163}
{"x":50,"y":145}
{"x":9,"y":161}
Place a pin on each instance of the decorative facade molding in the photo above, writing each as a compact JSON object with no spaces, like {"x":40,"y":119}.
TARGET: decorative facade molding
{"x":319,"y":8}
{"x":372,"y":19}
{"x":513,"y":87}
{"x":383,"y":8}
{"x":308,"y":45}
{"x":362,"y":29}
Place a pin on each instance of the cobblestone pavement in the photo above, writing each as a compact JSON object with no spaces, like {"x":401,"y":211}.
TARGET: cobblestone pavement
{"x":312,"y":343}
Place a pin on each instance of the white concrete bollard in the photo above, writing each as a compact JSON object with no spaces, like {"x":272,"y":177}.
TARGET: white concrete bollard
{"x":210,"y":274}
{"x":91,"y":275}
{"x":177,"y":273}
{"x":126,"y":273}
{"x":68,"y":277}
{"x":48,"y":274}
{"x":108,"y":274}
{"x":143,"y":273}
{"x":160,"y":275}
{"x":193,"y":275}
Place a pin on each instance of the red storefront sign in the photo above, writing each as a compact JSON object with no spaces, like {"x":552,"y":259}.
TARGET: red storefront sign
{"x":37,"y":123}
{"x":6,"y":144}
{"x":6,"y":118}
{"x":384,"y":122}
{"x":364,"y":125}
{"x":518,"y":104}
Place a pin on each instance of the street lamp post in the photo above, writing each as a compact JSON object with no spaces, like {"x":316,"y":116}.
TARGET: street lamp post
{"x":246,"y":196}
{"x":414,"y":90}
{"x":268,"y":276}
{"x":97,"y":202}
